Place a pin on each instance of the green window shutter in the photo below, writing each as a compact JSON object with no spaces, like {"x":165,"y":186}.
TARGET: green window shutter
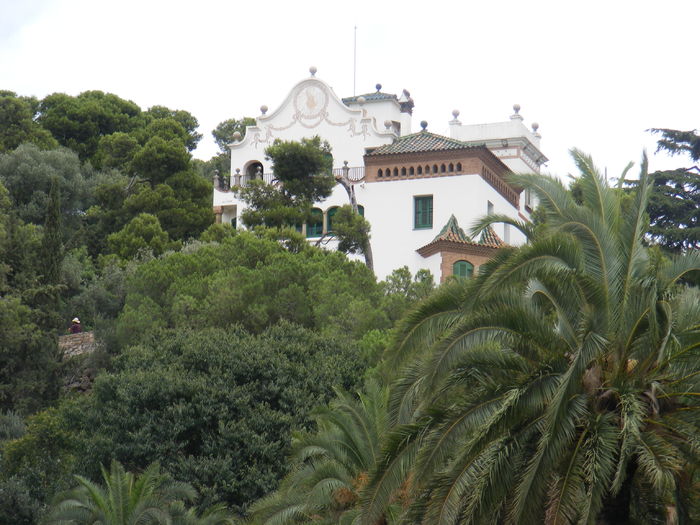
{"x":361,"y":210}
{"x":331,"y":213}
{"x":423,"y":212}
{"x":463,"y":269}
{"x":315,"y":226}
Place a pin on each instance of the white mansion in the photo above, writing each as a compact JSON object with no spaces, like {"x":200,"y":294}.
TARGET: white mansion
{"x":415,"y":189}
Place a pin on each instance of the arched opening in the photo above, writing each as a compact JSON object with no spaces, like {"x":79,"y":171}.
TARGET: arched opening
{"x":329,"y":218}
{"x":427,"y":169}
{"x":451,"y":167}
{"x":411,"y":171}
{"x":435,"y":168}
{"x":459,"y":167}
{"x":403,"y":172}
{"x":443,"y":168}
{"x":380,"y":173}
{"x":420,"y":170}
{"x":396,"y":172}
{"x":314,"y":228}
{"x":463,"y":269}
{"x":254,"y":171}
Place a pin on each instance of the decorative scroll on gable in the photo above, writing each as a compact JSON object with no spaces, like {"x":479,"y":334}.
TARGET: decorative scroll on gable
{"x":310,"y":104}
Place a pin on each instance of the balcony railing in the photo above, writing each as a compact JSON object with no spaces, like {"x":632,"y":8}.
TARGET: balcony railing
{"x":355,"y":174}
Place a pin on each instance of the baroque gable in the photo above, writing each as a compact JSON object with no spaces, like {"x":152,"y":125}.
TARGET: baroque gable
{"x":312,"y":108}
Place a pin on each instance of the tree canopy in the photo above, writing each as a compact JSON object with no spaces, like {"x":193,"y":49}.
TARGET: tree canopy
{"x":674,"y":206}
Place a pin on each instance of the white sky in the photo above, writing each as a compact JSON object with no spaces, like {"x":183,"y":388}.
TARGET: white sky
{"x":595,"y":75}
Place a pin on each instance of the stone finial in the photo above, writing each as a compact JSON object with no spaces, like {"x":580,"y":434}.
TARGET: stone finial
{"x":455,"y":113}
{"x":535,"y":127}
{"x":387,"y":124}
{"x":313,"y":70}
{"x":361,"y":99}
{"x":263,"y":109}
{"x":237,"y":136}
{"x":379,"y":87}
{"x":424,"y":124}
{"x":516,"y":115}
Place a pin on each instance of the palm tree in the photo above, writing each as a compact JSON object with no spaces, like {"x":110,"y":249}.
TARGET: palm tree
{"x":561,"y":385}
{"x":124,"y":499}
{"x":330,"y":466}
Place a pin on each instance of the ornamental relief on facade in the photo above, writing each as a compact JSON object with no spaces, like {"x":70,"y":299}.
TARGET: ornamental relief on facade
{"x":310,"y":110}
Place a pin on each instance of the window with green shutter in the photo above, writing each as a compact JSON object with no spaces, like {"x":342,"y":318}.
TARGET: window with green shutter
{"x":463,"y":269}
{"x":314,"y":228}
{"x":423,"y":212}
{"x":329,"y":214}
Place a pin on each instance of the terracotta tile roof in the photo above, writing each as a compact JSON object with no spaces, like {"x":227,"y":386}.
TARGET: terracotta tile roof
{"x":370,"y":97}
{"x":421,"y":142}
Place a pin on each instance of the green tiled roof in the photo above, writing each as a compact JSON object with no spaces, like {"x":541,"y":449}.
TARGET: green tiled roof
{"x":489,"y":238}
{"x":371,"y":97}
{"x":452,"y":232}
{"x":421,"y":142}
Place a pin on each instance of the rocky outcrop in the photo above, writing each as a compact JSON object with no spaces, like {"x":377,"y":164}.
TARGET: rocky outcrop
{"x":76,"y":344}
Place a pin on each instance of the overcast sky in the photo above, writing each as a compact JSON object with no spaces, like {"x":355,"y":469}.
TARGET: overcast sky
{"x":594,"y":75}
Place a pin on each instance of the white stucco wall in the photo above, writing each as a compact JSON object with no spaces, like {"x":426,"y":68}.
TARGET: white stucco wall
{"x":389,"y":209}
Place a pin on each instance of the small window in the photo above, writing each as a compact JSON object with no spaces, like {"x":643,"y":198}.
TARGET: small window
{"x":463,"y":269}
{"x":396,"y":172}
{"x":361,"y":210}
{"x":489,"y":208}
{"x":420,"y":170}
{"x":423,"y":212}
{"x":314,"y":228}
{"x":411,"y":171}
{"x":403,"y":172}
{"x":435,"y":168}
{"x":451,"y":167}
{"x":459,"y":167}
{"x":234,"y":222}
{"x":443,"y":168}
{"x":329,"y":217}
{"x":380,"y":173}
{"x":427,"y":169}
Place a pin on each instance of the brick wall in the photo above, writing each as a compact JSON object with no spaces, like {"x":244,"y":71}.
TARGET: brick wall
{"x":449,"y":259}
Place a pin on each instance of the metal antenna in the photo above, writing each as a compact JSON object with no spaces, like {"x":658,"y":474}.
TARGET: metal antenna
{"x":354,"y":64}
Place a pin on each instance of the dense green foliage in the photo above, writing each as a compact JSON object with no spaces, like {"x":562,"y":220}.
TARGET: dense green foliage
{"x":215,"y":406}
{"x":304,"y":172}
{"x":125,"y":499}
{"x":674,"y":206}
{"x":330,"y":467}
{"x":18,"y":125}
{"x":254,"y":282}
